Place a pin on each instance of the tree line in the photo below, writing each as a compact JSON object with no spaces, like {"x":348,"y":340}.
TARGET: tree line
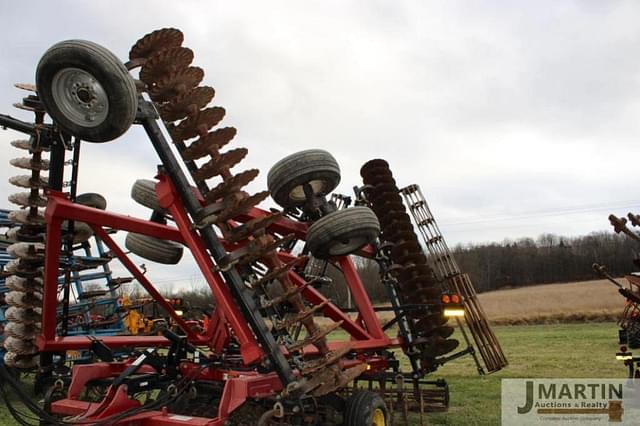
{"x":511,"y":263}
{"x":516,"y":263}
{"x":548,"y":259}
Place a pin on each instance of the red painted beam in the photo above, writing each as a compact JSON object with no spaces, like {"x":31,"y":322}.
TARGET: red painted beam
{"x":59,"y":206}
{"x":84,"y":342}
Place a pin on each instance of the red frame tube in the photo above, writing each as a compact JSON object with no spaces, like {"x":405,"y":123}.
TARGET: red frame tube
{"x":366,"y":330}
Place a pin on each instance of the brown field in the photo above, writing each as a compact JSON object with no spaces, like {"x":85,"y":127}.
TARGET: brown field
{"x":554,"y":303}
{"x":594,"y":301}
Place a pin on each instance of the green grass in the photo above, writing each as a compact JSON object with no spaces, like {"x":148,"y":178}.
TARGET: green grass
{"x":575,"y":350}
{"x":559,"y":351}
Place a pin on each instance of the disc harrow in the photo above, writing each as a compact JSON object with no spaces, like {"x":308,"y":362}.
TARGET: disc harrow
{"x":173,"y":85}
{"x":25,"y":295}
{"x":416,"y":281}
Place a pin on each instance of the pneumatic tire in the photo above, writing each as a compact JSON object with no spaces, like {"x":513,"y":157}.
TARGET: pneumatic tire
{"x":143,"y":192}
{"x":86,"y":90}
{"x":154,"y":249}
{"x":342,"y":232}
{"x":366,"y":408}
{"x":92,"y":199}
{"x":315,"y":167}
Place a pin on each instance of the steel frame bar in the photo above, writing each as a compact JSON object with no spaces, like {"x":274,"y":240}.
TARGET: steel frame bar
{"x":60,"y":208}
{"x":167,"y":196}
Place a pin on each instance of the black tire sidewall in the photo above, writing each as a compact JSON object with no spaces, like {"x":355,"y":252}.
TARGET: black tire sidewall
{"x":154,"y":249}
{"x":299,"y":168}
{"x":342,"y":224}
{"x":111,"y":74}
{"x":361,"y":406}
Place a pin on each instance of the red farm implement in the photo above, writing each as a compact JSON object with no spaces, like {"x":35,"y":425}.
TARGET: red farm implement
{"x":276,"y":349}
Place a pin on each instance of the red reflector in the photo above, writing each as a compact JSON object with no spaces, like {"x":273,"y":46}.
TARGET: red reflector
{"x":455,"y":298}
{"x":446,"y":298}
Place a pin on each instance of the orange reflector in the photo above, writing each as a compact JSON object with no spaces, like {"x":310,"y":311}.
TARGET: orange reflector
{"x":455,"y":298}
{"x":445,"y":298}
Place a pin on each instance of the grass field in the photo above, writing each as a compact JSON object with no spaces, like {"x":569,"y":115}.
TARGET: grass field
{"x":563,"y":350}
{"x":558,"y":350}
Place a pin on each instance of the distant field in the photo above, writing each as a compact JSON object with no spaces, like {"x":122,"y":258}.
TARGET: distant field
{"x":552,"y":303}
{"x":593,"y":301}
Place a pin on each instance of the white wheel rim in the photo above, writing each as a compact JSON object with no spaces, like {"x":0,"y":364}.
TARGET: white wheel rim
{"x":80,"y":97}
{"x":297,"y":194}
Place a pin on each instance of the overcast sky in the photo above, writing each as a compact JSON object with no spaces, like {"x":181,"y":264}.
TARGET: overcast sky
{"x":515,"y":118}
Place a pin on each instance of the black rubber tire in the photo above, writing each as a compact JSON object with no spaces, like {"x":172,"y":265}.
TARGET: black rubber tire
{"x":91,"y":199}
{"x":314,"y":166}
{"x":81,"y":231}
{"x":633,"y":334}
{"x":107,"y":70}
{"x":343,"y":232}
{"x":154,"y":249}
{"x":143,"y":192}
{"x":361,"y":408}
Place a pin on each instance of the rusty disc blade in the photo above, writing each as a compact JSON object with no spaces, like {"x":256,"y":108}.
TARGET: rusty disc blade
{"x":30,"y":163}
{"x":198,"y":124}
{"x":320,"y":334}
{"x":412,"y":271}
{"x":386,"y":197}
{"x":377,"y":176}
{"x":439,"y":346}
{"x":26,"y":86}
{"x":405,"y":248}
{"x":26,"y":218}
{"x":216,"y":166}
{"x":423,"y":282}
{"x":400,"y":232}
{"x":242,"y":206}
{"x":25,"y":181}
{"x":176,"y":84}
{"x":28,"y":146}
{"x":400,"y":237}
{"x":391,"y":206}
{"x":27,"y":251}
{"x":326,"y":360}
{"x":302,"y":315}
{"x":431,"y":321}
{"x":231,"y":185}
{"x":24,"y":269}
{"x":165,"y":62}
{"x":342,"y":380}
{"x":155,"y":41}
{"x":20,"y":347}
{"x":22,"y":331}
{"x":23,"y":316}
{"x":249,"y":228}
{"x":378,"y":162}
{"x":390,"y":218}
{"x":212,"y":140}
{"x":275,"y":273}
{"x":411,"y":259}
{"x":187,"y":104}
{"x":25,"y":199}
{"x":24,"y":284}
{"x":384,"y":187}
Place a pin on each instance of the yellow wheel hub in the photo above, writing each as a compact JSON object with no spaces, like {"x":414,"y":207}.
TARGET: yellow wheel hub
{"x":378,"y":418}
